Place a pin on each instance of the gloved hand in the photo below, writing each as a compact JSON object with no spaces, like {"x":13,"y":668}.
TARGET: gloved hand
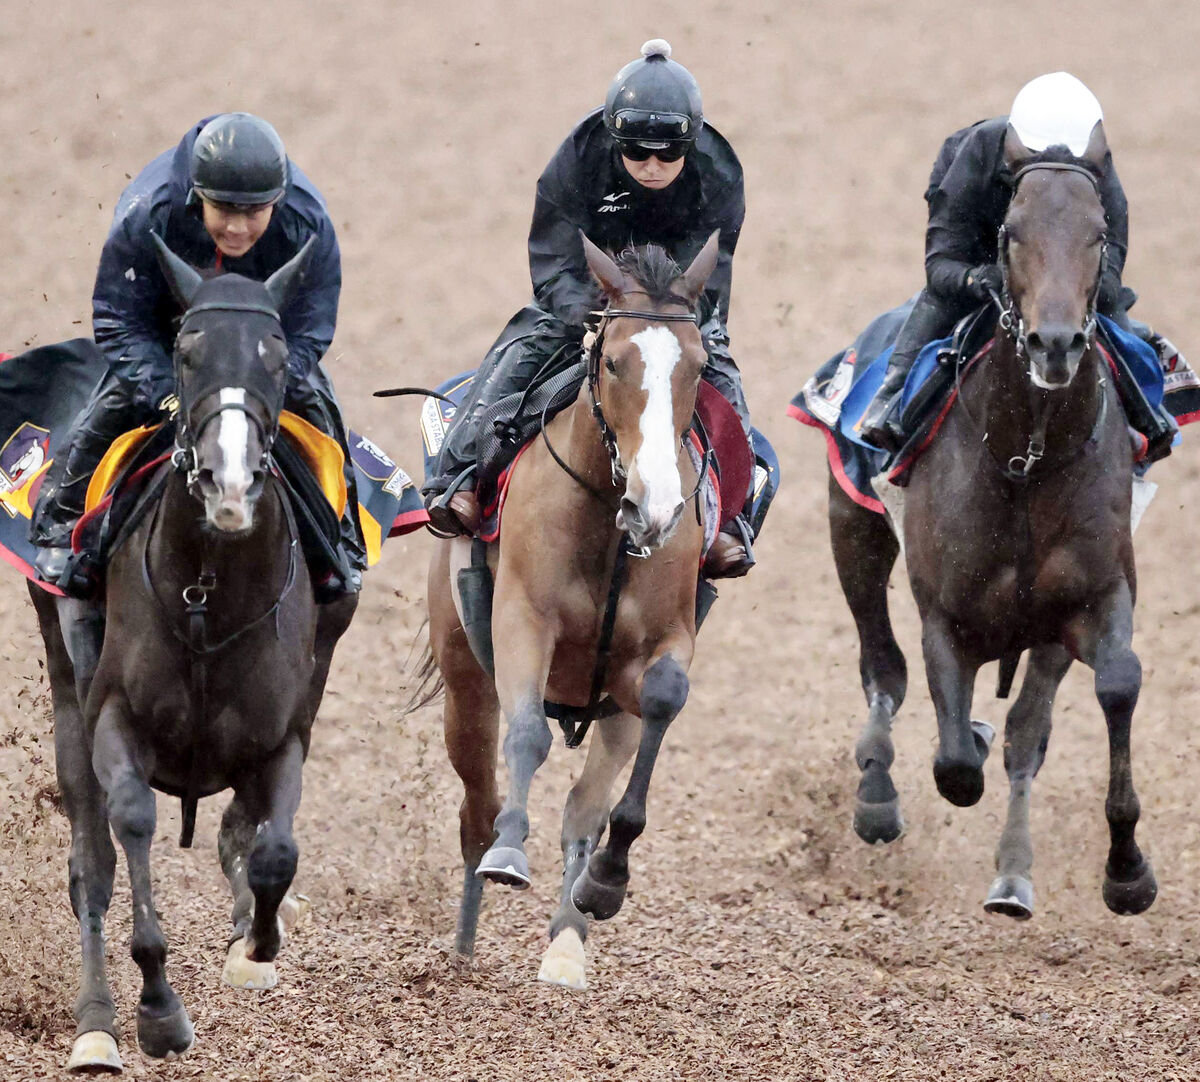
{"x":984,"y":280}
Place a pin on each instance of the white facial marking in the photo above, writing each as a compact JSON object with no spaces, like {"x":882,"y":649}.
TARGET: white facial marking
{"x":658,"y":457}
{"x":262,"y":349}
{"x":233,"y":438}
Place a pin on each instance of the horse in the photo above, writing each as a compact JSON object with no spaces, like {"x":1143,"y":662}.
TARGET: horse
{"x":1016,"y":532}
{"x":202,"y":671}
{"x":611,"y":471}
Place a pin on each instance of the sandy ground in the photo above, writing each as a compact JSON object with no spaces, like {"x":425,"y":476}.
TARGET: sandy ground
{"x":761,"y":940}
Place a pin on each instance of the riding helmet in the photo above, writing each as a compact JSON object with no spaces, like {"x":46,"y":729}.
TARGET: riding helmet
{"x":1053,"y":110}
{"x":239,"y":158}
{"x":654,"y":101}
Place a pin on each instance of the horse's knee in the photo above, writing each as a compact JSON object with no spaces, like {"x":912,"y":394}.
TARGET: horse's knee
{"x":131,"y":810}
{"x":272,"y":864}
{"x":664,"y":690}
{"x":528,"y":734}
{"x":1118,"y":682}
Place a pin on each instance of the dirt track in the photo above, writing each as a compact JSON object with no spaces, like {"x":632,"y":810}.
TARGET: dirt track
{"x":761,"y":940}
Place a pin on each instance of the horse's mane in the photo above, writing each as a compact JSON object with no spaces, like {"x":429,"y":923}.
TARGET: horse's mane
{"x":654,"y":271}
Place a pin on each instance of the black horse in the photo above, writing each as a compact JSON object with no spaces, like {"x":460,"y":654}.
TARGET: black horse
{"x":1016,"y":527}
{"x":210,"y":668}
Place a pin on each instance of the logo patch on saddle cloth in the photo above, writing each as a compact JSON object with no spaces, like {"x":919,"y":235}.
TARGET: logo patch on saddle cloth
{"x":22,"y":462}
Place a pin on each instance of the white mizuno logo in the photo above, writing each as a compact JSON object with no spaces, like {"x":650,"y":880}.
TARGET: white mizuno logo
{"x":610,"y":206}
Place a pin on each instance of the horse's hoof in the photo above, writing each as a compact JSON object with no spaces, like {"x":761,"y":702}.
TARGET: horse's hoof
{"x":166,"y":1035}
{"x":293,"y":909}
{"x":564,"y":962}
{"x":1135,"y":896}
{"x":960,"y":783}
{"x":505,"y":865}
{"x":95,"y":1051}
{"x":984,"y":734}
{"x":878,"y":824}
{"x":596,"y":899}
{"x":241,"y":972}
{"x":1010,"y":896}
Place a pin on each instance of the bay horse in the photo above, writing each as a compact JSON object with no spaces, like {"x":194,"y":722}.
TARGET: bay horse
{"x":613,"y":465}
{"x":212,"y":660}
{"x":1017,"y":536}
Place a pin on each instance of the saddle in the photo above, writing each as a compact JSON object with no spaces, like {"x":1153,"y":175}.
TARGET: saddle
{"x":131,"y":475}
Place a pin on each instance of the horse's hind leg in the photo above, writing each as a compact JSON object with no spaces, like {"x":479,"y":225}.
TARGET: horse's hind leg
{"x":1026,"y":735}
{"x":600,"y":889}
{"x":864,"y":551}
{"x":1129,"y":884}
{"x":163,"y":1025}
{"x":92,"y":860}
{"x":962,"y":748}
{"x":613,"y":743}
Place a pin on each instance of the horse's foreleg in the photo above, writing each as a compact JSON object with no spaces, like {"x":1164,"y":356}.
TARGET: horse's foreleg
{"x":962,"y":748}
{"x":588,"y":805}
{"x":1129,"y":884}
{"x":521,"y":668}
{"x":163,"y":1024}
{"x":864,"y":551}
{"x":1026,"y":735}
{"x":600,"y":889}
{"x":92,"y":860}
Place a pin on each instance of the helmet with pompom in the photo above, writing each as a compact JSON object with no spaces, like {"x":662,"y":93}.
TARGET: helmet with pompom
{"x":654,"y":101}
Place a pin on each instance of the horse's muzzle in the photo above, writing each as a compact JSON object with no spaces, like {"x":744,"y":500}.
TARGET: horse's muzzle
{"x":1054,"y":355}
{"x":228,"y":507}
{"x":648,"y":529}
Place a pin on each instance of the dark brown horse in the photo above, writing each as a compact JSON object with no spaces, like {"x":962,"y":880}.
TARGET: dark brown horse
{"x":213,"y":661}
{"x":630,"y":476}
{"x":1016,"y":528}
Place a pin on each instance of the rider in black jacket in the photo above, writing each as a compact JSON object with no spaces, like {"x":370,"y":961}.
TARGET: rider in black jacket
{"x":227,"y":198}
{"x":645,"y":168}
{"x":968,"y":195}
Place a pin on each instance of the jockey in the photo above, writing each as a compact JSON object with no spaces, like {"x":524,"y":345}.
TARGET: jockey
{"x":646,"y":168}
{"x":226,"y":198}
{"x":968,"y":196}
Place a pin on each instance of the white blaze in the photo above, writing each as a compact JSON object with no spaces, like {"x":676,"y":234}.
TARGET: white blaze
{"x":233,"y":437}
{"x":658,"y":456}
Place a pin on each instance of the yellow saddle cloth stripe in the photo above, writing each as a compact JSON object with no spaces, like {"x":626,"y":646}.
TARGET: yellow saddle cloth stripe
{"x":320,"y":452}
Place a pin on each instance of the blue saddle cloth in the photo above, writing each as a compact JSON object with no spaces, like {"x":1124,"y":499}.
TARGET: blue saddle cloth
{"x":839,"y":392}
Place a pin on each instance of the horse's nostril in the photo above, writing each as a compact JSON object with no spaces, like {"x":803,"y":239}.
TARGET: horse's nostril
{"x":631,"y":513}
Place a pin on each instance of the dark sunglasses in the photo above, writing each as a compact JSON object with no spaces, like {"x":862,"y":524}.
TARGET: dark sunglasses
{"x":635,"y":152}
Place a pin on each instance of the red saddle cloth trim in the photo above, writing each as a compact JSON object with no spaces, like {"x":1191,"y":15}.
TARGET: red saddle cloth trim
{"x":730,"y":446}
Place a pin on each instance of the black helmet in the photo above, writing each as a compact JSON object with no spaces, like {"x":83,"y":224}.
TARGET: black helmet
{"x":654,"y":101}
{"x":239,"y":158}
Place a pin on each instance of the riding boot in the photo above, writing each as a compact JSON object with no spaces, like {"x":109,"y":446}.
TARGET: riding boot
{"x":1156,"y":425}
{"x":313,"y":399}
{"x":114,"y":408}
{"x":930,"y":318}
{"x":510,"y":367}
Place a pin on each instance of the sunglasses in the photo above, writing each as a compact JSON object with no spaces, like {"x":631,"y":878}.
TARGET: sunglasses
{"x":636,"y":152}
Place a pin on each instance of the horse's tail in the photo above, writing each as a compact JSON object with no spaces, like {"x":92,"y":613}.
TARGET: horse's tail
{"x":429,"y":684}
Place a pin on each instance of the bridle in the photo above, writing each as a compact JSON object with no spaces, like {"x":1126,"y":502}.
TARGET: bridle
{"x":1011,"y":321}
{"x":190,"y":427}
{"x":619,"y":474}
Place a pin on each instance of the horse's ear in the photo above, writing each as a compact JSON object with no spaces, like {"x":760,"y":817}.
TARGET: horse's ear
{"x":282,"y":284}
{"x":1016,"y":153}
{"x":701,"y":267}
{"x":183,"y":279}
{"x":607,"y":273}
{"x":1097,"y":148}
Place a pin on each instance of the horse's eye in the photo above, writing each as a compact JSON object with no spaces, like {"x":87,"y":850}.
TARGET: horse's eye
{"x":611,"y":365}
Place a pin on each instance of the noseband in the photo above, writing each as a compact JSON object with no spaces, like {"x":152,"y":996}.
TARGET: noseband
{"x":1011,"y":320}
{"x":191,"y":428}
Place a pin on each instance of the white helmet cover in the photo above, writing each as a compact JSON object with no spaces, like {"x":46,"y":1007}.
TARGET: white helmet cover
{"x":1055,"y":109}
